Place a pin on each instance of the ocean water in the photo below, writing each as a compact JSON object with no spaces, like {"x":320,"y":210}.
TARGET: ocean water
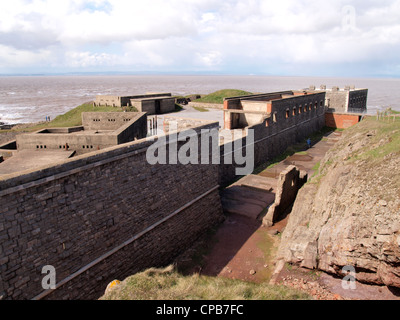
{"x":31,"y":99}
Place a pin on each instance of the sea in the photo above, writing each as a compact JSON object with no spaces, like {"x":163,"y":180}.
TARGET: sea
{"x":27,"y":99}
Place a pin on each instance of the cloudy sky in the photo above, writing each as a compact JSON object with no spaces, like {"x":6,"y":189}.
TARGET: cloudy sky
{"x":269,"y":37}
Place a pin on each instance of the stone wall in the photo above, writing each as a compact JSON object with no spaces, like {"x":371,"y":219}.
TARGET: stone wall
{"x":112,"y":101}
{"x":289,"y":183}
{"x":116,"y":101}
{"x":100,"y":217}
{"x":110,"y":214}
{"x":337,"y":100}
{"x":107,"y":120}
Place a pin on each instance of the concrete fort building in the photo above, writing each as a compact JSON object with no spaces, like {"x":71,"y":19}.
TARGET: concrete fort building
{"x":99,"y":130}
{"x":345,"y":107}
{"x":106,"y":214}
{"x":342,"y":107}
{"x":156,"y":103}
{"x":346,"y":100}
{"x":245,"y":111}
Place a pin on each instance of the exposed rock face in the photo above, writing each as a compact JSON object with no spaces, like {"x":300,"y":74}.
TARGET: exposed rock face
{"x":349,"y":215}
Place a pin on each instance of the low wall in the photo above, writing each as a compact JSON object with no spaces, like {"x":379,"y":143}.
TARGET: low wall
{"x":100,"y":217}
{"x":108,"y":120}
{"x":206,"y":105}
{"x":289,"y":183}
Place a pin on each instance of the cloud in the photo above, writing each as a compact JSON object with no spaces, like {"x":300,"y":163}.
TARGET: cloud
{"x":20,"y":59}
{"x":87,"y":59}
{"x":210,"y":35}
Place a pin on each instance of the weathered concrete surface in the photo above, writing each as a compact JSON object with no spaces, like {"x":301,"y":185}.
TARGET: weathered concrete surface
{"x":32,"y":159}
{"x":249,"y":196}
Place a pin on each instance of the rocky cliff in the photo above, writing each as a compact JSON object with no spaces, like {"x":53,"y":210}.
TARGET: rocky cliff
{"x":348,"y":214}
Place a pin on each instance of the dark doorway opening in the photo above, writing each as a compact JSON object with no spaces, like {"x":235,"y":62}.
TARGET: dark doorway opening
{"x":158,"y":106}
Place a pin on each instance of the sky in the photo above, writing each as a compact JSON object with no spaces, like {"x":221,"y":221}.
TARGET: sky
{"x":349,"y":38}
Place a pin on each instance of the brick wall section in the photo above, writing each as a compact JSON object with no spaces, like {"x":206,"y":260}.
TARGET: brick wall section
{"x":341,"y":120}
{"x":71,"y":214}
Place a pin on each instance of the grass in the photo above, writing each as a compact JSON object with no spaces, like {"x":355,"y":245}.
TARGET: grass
{"x":201,"y":109}
{"x":316,"y":169}
{"x":383,"y":141}
{"x":299,"y":149}
{"x":218,"y":96}
{"x":375,"y":152}
{"x":178,"y":108}
{"x":167,"y":284}
{"x":268,"y":247}
{"x":73,"y":117}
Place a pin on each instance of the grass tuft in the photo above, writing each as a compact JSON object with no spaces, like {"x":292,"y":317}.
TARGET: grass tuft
{"x":165,"y":284}
{"x":218,"y":96}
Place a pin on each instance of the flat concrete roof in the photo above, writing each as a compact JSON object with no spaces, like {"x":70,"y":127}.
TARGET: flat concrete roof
{"x":32,"y":159}
{"x":153,"y":98}
{"x":77,"y":133}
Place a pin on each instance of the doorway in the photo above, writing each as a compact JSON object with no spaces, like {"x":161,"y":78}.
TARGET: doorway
{"x":157,"y":106}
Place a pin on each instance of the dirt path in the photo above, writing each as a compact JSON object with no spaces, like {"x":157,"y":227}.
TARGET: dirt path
{"x":244,"y":250}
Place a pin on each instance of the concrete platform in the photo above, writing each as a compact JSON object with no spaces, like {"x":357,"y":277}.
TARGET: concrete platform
{"x":31,"y":159}
{"x":249,"y":196}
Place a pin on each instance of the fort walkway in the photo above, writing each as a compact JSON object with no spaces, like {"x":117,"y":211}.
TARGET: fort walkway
{"x":245,"y":248}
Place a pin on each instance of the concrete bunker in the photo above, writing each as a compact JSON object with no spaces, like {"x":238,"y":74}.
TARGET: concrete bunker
{"x":152,"y":103}
{"x":247,"y":111}
{"x":98,"y":131}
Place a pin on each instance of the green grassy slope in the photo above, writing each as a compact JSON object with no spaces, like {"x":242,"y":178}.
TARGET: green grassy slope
{"x":156,"y":284}
{"x":218,"y":96}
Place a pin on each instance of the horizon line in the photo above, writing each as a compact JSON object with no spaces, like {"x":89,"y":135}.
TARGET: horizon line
{"x":151,"y":73}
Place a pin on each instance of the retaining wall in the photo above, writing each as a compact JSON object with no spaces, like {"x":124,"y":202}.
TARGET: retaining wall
{"x":110,"y":214}
{"x":100,"y":217}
